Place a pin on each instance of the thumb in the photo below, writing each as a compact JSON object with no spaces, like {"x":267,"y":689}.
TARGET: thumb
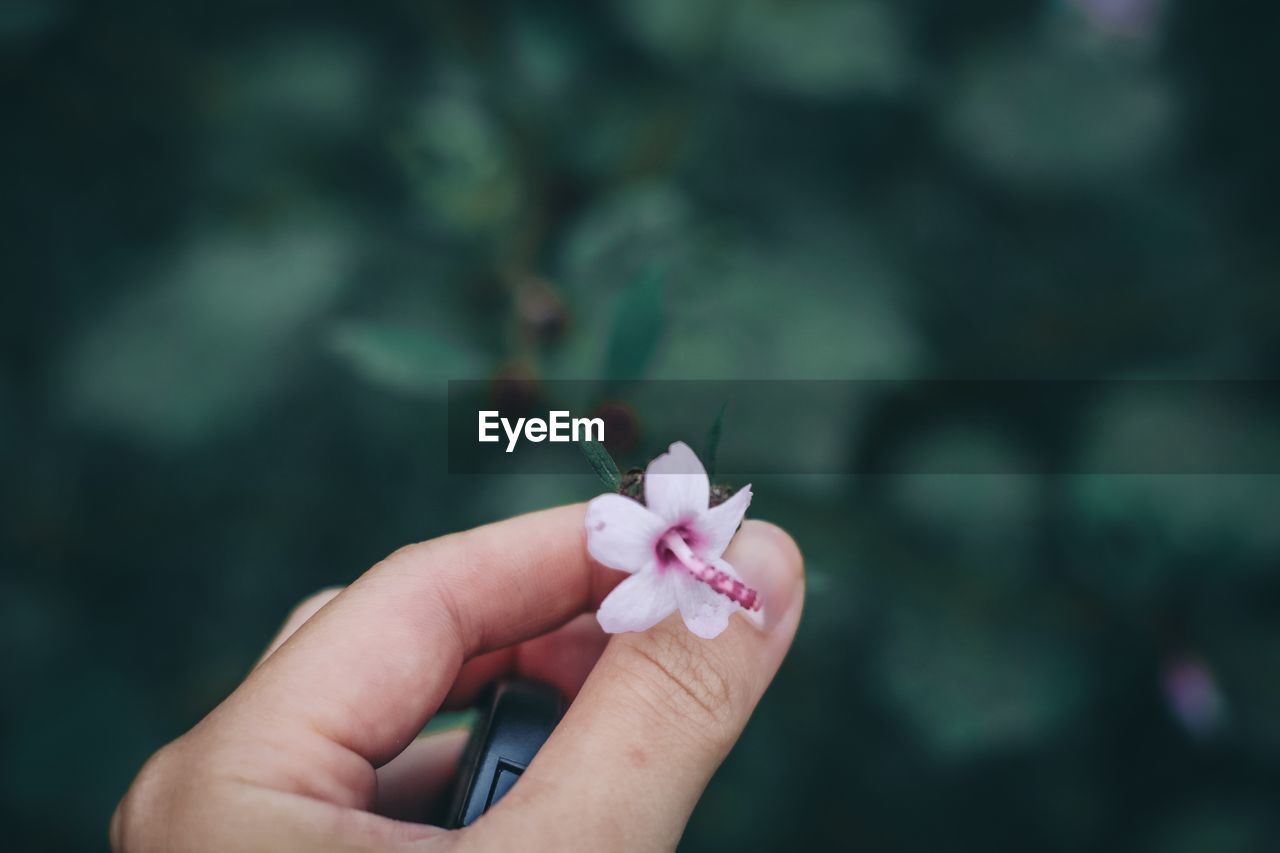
{"x":654,"y":720}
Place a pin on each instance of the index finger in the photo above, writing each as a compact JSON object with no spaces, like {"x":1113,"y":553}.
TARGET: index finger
{"x":372,"y":665}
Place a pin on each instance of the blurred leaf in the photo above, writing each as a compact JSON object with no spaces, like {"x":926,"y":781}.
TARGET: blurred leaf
{"x":602,"y":463}
{"x":676,"y":29}
{"x":637,"y":327}
{"x":1059,"y":111}
{"x":968,"y":489}
{"x":460,"y":162}
{"x":969,"y":685}
{"x":622,"y":236}
{"x":744,"y":317}
{"x":404,"y":358}
{"x":850,"y":46}
{"x":210,"y":335}
{"x":1123,"y":18}
{"x":295,"y":84}
{"x":1137,"y":534}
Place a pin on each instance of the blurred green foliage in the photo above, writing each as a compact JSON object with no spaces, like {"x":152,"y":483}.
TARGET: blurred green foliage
{"x":246,"y":243}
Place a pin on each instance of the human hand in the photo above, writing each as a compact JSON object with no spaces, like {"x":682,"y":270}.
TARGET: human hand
{"x":316,"y":749}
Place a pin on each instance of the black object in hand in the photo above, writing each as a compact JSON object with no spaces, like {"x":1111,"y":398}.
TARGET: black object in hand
{"x":516,"y":722}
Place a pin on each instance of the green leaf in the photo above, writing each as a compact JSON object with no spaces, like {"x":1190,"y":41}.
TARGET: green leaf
{"x":602,"y":463}
{"x":194,"y":349}
{"x":402,"y":358}
{"x":712,"y":444}
{"x":637,"y":327}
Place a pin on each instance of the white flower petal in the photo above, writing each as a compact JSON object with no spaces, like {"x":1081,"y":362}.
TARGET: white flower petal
{"x":621,"y":533}
{"x":676,"y":487}
{"x":639,"y":602}
{"x":716,"y":526}
{"x":706,"y":612}
{"x":756,"y":617}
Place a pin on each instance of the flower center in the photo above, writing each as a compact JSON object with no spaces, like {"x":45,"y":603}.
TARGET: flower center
{"x":700,"y":570}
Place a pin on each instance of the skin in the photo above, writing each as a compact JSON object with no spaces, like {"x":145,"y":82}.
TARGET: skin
{"x":316,"y":749}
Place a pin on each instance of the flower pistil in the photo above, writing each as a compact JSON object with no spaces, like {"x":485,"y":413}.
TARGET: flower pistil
{"x":731,"y":588}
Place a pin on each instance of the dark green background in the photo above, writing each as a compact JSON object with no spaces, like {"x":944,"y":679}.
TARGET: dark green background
{"x":245,"y":244}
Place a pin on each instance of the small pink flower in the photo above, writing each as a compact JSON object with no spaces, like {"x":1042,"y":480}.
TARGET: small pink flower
{"x":672,"y":546}
{"x":1193,"y":695}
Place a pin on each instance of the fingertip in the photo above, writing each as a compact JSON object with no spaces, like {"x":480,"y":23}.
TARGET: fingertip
{"x":770,"y":560}
{"x":782,"y":548}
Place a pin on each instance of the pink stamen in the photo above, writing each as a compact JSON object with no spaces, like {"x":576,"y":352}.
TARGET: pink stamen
{"x":731,"y":588}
